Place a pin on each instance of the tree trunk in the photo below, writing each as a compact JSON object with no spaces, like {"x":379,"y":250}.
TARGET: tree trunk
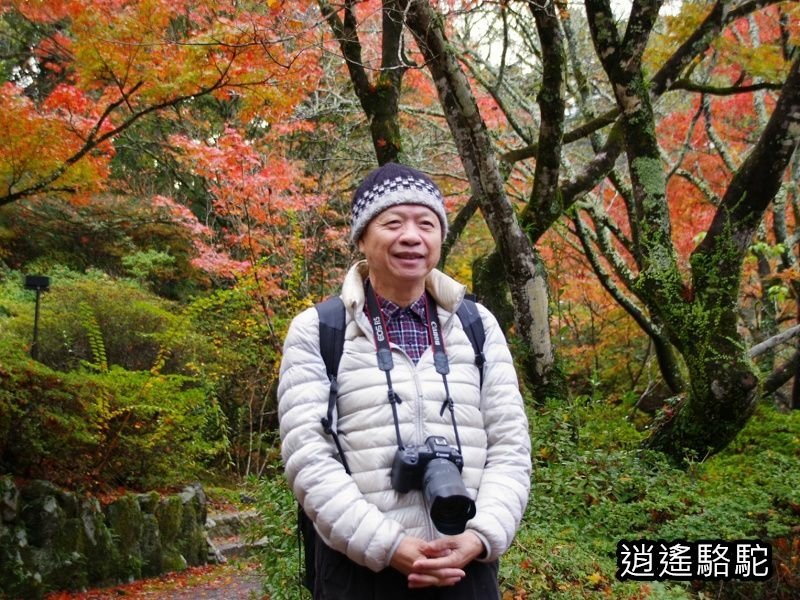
{"x":490,"y":286}
{"x":724,"y":382}
{"x":526,"y":281}
{"x":700,"y":321}
{"x":379,"y":100}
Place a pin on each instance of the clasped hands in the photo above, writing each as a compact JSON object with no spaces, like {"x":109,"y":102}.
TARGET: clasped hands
{"x":437,"y":563}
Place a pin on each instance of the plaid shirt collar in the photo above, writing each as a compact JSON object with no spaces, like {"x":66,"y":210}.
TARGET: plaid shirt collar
{"x":391,"y":310}
{"x":407,"y":327}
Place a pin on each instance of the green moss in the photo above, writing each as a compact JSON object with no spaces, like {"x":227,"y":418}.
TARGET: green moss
{"x":592,"y":486}
{"x":148,"y":502}
{"x":193,"y":542}
{"x":650,"y":175}
{"x":9,"y":499}
{"x":18,"y":579}
{"x":173,"y":560}
{"x":101,"y":553}
{"x":151,"y":550}
{"x":169,"y":514}
{"x":124,"y":518}
{"x":64,"y":566}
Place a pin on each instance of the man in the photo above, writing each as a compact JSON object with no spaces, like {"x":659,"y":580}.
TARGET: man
{"x":376,"y":541}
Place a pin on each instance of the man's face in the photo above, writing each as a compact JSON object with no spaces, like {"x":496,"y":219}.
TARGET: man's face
{"x":402,"y":245}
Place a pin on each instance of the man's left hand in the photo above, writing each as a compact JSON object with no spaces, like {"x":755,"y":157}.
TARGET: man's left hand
{"x":453,"y":552}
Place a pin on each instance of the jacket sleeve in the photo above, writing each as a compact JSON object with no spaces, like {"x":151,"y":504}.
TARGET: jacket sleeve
{"x":505,"y":483}
{"x":342,"y":516}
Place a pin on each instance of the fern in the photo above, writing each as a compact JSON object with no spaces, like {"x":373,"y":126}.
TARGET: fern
{"x":95,"y":336}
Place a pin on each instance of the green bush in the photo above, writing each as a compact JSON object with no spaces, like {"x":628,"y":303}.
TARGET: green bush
{"x":93,"y":323}
{"x":280,"y":561}
{"x":593,"y":487}
{"x":97,"y":321}
{"x":47,"y":424}
{"x":157,"y":429}
{"x":247,"y":341}
{"x":101,"y":429}
{"x":115,"y":234}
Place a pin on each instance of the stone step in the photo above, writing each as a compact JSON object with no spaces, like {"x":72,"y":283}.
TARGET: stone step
{"x":227,"y":535}
{"x":220,"y":525}
{"x":232,"y":547}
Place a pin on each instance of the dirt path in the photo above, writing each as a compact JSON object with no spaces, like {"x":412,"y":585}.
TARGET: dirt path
{"x":235,"y":580}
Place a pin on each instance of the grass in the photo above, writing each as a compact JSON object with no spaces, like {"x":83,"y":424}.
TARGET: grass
{"x":592,"y":487}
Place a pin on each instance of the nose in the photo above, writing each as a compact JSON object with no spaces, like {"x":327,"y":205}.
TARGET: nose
{"x":411,"y":234}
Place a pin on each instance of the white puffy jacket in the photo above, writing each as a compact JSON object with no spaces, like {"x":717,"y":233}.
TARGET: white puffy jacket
{"x":360,"y":515}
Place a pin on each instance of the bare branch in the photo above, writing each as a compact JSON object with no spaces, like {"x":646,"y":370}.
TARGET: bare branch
{"x":775,"y":340}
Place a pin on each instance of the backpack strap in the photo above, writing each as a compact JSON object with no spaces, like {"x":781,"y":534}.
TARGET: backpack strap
{"x":331,"y":344}
{"x":473,"y":327}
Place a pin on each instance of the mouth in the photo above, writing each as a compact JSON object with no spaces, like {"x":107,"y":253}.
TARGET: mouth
{"x":409,"y":258}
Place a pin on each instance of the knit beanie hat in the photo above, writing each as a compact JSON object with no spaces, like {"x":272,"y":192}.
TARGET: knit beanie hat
{"x":390,"y":185}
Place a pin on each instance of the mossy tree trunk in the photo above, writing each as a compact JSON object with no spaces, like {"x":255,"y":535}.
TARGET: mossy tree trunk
{"x":380,"y":101}
{"x":700,"y":316}
{"x":631,"y":118}
{"x":724,"y":380}
{"x":526,"y":280}
{"x":379,"y":98}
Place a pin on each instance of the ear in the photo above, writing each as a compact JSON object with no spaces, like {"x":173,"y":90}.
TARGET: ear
{"x":361,"y":244}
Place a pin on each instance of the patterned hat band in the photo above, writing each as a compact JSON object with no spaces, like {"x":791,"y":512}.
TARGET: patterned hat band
{"x":392,"y":185}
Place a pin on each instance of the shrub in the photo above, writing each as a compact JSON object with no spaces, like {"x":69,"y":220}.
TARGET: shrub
{"x":104,"y":429}
{"x":247,"y":341}
{"x":157,"y":429}
{"x":93,"y":323}
{"x":47,"y":425}
{"x":593,"y":486}
{"x":280,"y":560}
{"x":115,"y":234}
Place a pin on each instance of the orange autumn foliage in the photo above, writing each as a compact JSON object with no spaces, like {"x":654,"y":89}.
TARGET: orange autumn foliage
{"x":124,"y":60}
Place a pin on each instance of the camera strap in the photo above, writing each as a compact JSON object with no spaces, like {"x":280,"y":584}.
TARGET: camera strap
{"x":386,"y":363}
{"x":440,"y":362}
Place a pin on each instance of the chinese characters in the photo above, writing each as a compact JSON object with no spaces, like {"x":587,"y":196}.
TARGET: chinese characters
{"x":648,"y":560}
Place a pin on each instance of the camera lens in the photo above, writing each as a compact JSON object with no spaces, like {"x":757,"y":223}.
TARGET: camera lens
{"x":451,"y":506}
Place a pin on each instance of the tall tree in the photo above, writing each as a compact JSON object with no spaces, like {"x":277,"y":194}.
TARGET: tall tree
{"x":379,"y":99}
{"x":701,"y":317}
{"x":694,"y":320}
{"x":524,"y":275}
{"x":380,"y":95}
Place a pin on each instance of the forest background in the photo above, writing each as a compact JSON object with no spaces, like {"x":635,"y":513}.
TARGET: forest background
{"x":622,"y":185}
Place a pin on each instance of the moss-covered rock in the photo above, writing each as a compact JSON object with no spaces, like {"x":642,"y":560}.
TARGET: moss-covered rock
{"x":55,"y":540}
{"x":151,"y":551}
{"x":124,"y":517}
{"x":65,"y":561}
{"x":17,"y":578}
{"x":56,"y":551}
{"x":100,"y":550}
{"x":148,"y":502}
{"x":172,"y":559}
{"x":193,"y":543}
{"x":9,"y":500}
{"x":169,"y":514}
{"x":44,"y":516}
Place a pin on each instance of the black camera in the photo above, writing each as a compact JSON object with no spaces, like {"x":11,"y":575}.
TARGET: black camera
{"x":435,"y":468}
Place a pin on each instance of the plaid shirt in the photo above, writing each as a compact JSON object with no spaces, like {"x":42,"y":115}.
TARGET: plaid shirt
{"x":407,"y":327}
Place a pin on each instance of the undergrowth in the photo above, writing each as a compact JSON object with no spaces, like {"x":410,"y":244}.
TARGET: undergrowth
{"x":593,"y":486}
